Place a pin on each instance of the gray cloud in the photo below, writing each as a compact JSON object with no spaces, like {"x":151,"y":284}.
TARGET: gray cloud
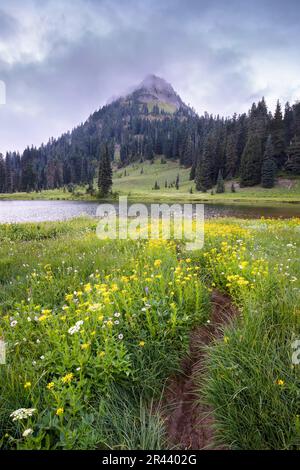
{"x":61,"y":60}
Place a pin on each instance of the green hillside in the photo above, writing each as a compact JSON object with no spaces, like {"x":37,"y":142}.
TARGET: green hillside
{"x":138,"y":181}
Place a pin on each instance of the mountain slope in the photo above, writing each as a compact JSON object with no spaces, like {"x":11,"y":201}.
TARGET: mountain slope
{"x":151,"y":121}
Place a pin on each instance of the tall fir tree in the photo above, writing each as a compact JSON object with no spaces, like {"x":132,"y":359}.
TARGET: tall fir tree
{"x":293,"y":163}
{"x":2,"y":174}
{"x":220,"y":184}
{"x":268,"y":170}
{"x":231,"y":156}
{"x":277,"y":127}
{"x":251,"y":161}
{"x":105,"y":172}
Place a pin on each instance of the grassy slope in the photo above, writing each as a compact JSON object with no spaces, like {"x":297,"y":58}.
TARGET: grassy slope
{"x":139,"y":187}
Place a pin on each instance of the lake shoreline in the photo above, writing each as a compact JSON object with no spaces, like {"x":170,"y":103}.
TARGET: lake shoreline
{"x":149,"y":199}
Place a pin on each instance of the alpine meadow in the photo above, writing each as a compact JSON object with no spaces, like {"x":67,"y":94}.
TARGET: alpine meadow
{"x":149,"y":249}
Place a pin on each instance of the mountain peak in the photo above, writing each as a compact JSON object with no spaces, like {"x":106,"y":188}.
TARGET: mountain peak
{"x":153,"y":82}
{"x":156,"y":89}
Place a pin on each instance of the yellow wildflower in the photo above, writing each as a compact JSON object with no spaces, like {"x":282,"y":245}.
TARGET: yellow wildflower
{"x":280,"y":382}
{"x":43,"y":318}
{"x":157,"y":263}
{"x":59,"y":411}
{"x":50,"y":385}
{"x":142,"y":343}
{"x":67,"y":378}
{"x":27,"y":385}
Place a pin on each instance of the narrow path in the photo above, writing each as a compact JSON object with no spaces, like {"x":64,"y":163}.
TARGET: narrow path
{"x":189,"y":423}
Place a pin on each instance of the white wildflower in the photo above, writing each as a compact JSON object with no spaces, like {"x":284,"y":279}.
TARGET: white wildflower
{"x":27,"y":432}
{"x":74,"y":329}
{"x":22,"y":413}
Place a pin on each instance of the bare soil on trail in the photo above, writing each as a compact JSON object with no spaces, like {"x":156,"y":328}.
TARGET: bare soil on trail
{"x":189,"y":422}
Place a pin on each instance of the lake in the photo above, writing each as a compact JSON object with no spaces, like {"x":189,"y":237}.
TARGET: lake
{"x":38,"y":211}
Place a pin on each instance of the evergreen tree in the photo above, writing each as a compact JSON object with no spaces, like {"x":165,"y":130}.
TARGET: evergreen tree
{"x":8,"y":174}
{"x":231,"y":156}
{"x":2,"y":174}
{"x":251,"y":161}
{"x":268,"y":170}
{"x":288,"y":124}
{"x":187,"y":157}
{"x":104,"y":172}
{"x":278,"y":137}
{"x":203,"y":178}
{"x":220,"y":184}
{"x":293,"y":163}
{"x":193,"y":171}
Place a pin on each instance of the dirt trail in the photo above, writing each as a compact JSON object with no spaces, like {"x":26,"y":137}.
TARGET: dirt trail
{"x":189,"y":424}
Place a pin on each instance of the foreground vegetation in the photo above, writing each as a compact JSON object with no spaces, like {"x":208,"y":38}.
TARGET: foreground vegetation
{"x":93,"y":328}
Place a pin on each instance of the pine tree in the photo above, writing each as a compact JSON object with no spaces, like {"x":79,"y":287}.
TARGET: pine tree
{"x":220,"y":184}
{"x":278,"y":137}
{"x":251,"y":161}
{"x":2,"y":174}
{"x":187,"y":157}
{"x":293,"y":163}
{"x":288,"y":124}
{"x":231,"y":156}
{"x":193,"y":171}
{"x":8,"y":174}
{"x":203,"y":178}
{"x":268,"y":170}
{"x":104,"y":172}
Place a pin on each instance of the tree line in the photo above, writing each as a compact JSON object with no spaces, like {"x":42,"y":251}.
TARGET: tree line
{"x":252,"y":146}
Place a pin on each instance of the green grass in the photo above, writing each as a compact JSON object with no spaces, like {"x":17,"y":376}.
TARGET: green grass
{"x":50,"y":194}
{"x":140,"y":186}
{"x":55,"y":274}
{"x":252,"y":383}
{"x":104,"y":376}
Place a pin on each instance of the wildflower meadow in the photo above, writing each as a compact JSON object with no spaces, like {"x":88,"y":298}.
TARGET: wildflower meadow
{"x":94,"y":328}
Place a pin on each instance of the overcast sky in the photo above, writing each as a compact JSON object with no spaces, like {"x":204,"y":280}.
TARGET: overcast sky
{"x":63,"y":59}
